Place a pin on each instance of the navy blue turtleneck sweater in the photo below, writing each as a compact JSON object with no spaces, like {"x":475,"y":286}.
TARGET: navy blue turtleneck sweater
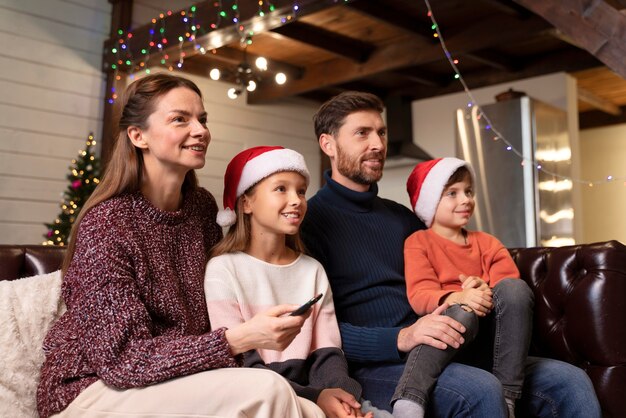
{"x":359,"y":239}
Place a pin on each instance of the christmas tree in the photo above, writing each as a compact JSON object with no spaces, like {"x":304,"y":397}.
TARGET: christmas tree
{"x":83,"y":178}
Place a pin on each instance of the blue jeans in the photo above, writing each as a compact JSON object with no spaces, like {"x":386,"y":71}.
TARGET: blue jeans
{"x":552,"y":389}
{"x":424,"y":363}
{"x":502,"y":343}
{"x":500,"y":347}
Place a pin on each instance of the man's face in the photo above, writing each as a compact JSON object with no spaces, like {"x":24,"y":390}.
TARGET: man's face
{"x":360,"y":148}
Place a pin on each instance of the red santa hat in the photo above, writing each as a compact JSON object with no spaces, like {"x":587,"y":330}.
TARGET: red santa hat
{"x":426,"y":182}
{"x":250,"y":167}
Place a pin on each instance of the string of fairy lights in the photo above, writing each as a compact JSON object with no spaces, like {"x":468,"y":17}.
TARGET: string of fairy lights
{"x":160,"y":39}
{"x":229,"y":13}
{"x":489,"y":126}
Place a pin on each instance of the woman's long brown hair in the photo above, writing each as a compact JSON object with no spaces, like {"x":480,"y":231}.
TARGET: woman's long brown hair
{"x":124,"y":170}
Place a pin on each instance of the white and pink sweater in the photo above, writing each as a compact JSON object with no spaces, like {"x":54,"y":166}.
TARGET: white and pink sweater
{"x":238,"y":286}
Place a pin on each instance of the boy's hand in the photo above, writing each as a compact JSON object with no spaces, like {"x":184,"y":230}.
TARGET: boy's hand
{"x":476,"y":294}
{"x":473,"y":282}
{"x":337,"y":403}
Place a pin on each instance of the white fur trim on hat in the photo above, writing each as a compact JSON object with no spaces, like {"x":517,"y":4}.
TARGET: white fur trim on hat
{"x":269,"y":163}
{"x":226,"y":217}
{"x":432,"y":187}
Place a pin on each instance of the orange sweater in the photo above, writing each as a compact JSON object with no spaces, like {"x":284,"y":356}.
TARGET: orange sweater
{"x":432,"y":265}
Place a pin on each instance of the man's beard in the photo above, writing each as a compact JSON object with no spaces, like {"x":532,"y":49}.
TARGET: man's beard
{"x":351,"y":167}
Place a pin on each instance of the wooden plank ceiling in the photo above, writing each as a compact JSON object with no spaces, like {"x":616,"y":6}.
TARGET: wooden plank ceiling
{"x":388,"y":48}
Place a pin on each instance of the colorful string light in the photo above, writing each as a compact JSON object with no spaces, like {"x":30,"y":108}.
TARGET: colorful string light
{"x":489,"y":126}
{"x":160,"y":38}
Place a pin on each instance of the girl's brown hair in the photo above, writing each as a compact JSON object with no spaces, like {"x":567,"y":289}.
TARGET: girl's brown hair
{"x":238,"y":236}
{"x":125,"y":168}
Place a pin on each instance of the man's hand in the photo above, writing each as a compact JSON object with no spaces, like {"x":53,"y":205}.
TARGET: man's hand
{"x":434,"y":329}
{"x":337,"y":403}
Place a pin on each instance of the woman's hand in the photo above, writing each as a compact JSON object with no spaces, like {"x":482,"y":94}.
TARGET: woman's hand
{"x":337,"y":403}
{"x":269,"y":330}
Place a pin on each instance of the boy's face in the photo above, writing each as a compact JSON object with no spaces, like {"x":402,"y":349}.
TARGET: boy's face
{"x":455,"y":206}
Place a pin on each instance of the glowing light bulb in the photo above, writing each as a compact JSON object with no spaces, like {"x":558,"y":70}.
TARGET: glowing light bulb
{"x":280,"y":78}
{"x":261,"y":63}
{"x":215,"y":74}
{"x":233,"y":93}
{"x":251,"y":86}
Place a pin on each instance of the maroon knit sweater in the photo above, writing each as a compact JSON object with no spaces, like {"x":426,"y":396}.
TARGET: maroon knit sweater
{"x":136,"y":311}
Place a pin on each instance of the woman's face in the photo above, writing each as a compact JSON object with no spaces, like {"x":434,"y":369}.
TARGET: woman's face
{"x":176,"y":138}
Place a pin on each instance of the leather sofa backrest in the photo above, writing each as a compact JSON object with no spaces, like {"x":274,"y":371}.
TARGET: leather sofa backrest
{"x":580,"y":312}
{"x":580,"y":305}
{"x":17,"y":261}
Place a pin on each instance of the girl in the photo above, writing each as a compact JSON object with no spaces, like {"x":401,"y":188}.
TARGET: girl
{"x":260,"y":263}
{"x":136,"y":340}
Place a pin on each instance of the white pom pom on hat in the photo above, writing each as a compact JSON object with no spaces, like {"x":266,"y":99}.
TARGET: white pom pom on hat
{"x":426,"y":182}
{"x":250,"y":167}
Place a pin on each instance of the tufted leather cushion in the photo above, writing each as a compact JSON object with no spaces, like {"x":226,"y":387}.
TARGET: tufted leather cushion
{"x":580,"y":306}
{"x":18,"y":261}
{"x":580,"y":312}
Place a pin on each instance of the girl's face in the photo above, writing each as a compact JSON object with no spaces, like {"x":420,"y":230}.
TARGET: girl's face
{"x":277,"y":204}
{"x":176,"y":138}
{"x":455,"y":206}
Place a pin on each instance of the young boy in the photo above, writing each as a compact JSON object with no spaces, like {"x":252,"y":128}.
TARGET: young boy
{"x":470,"y":271}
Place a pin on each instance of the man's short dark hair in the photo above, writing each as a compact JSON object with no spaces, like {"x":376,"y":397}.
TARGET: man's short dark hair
{"x":331,"y":115}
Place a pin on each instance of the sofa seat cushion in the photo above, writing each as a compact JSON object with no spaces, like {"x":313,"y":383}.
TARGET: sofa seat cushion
{"x":28,"y":307}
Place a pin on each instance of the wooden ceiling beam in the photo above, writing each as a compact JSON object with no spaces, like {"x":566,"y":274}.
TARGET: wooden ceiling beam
{"x":226,"y":34}
{"x":231,"y":57}
{"x":335,"y":43}
{"x":509,"y":7}
{"x":385,"y":13}
{"x":495,"y":60}
{"x":596,"y":119}
{"x":399,"y":55}
{"x":594,"y":25}
{"x":567,"y":60}
{"x":598,"y":102}
{"x":416,"y":75}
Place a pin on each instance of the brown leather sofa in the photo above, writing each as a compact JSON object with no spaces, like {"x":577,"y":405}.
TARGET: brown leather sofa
{"x":580,"y":306}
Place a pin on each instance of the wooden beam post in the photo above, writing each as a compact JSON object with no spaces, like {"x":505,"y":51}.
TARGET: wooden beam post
{"x":594,"y":25}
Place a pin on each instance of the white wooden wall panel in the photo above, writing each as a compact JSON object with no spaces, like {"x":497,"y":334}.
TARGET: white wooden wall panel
{"x":58,"y":56}
{"x":41,"y":98}
{"x":49,"y":31}
{"x":52,"y":93}
{"x":76,"y":14}
{"x":21,"y":232}
{"x":94,"y":4}
{"x":17,"y":117}
{"x":28,"y":189}
{"x":54,"y":146}
{"x":56,"y":79}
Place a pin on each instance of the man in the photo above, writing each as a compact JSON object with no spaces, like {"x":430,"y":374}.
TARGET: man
{"x":359,"y":238}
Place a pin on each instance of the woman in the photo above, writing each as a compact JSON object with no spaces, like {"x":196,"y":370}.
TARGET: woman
{"x":136,"y":337}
